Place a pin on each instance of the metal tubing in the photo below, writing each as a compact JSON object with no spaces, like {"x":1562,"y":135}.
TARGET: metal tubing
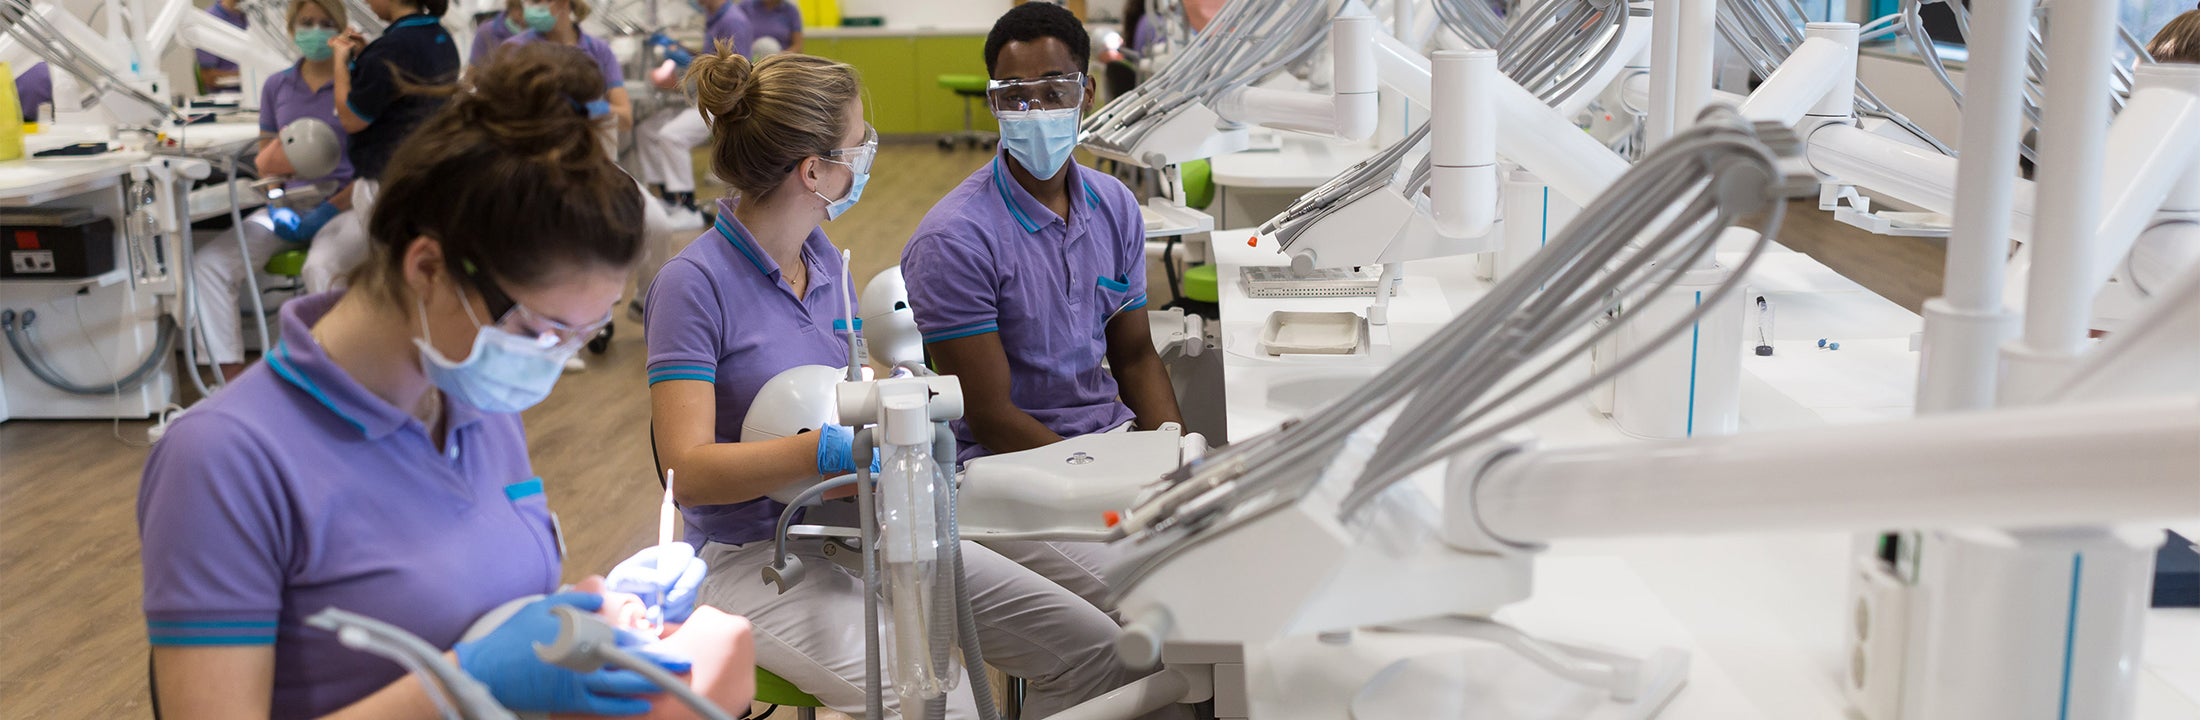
{"x":2019,"y":468}
{"x":2059,"y":294}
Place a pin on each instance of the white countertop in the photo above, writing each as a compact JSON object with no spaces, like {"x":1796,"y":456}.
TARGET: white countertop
{"x":1762,"y":615}
{"x":897,"y":31}
{"x":35,"y":180}
{"x":1300,"y":162}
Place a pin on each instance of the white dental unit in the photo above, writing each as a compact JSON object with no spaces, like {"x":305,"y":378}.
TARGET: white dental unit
{"x":96,"y":342}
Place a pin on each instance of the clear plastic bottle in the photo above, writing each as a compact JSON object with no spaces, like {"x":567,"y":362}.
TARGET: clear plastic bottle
{"x":912,"y":529}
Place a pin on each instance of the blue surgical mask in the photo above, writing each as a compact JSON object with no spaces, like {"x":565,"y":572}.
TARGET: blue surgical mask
{"x":1040,"y":140}
{"x":313,"y":43}
{"x":503,"y":373}
{"x":834,"y":208}
{"x":539,"y":18}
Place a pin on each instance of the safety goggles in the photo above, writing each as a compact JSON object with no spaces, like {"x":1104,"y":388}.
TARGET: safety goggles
{"x":1053,"y":92}
{"x":858,"y":158}
{"x":516,"y":319}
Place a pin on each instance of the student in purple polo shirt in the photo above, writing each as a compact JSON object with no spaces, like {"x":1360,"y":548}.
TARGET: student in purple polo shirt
{"x":492,"y":31}
{"x":375,"y":462}
{"x":776,"y":19}
{"x":1030,"y":273}
{"x":34,"y":88}
{"x":664,"y":143}
{"x":214,"y":68}
{"x":307,"y":90}
{"x":758,"y":295}
{"x":559,"y":21}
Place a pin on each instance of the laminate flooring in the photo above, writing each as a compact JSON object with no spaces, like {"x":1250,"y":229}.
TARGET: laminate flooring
{"x":72,"y":639}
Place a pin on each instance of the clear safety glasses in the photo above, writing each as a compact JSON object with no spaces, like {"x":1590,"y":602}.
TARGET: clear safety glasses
{"x":858,"y":158}
{"x":1053,"y":92}
{"x":517,"y":319}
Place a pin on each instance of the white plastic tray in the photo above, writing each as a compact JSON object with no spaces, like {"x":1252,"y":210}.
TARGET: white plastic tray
{"x":1313,"y":333}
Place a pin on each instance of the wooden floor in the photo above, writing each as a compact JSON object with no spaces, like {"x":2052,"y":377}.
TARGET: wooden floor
{"x":72,"y":640}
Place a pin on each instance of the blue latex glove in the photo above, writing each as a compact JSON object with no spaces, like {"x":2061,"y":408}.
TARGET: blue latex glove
{"x":293,"y":227}
{"x":837,"y":452}
{"x":673,"y":51}
{"x":671,"y":571}
{"x":505,"y":661}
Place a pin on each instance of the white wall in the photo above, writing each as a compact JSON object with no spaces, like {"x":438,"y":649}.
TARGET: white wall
{"x":1907,"y":86}
{"x":924,"y":13}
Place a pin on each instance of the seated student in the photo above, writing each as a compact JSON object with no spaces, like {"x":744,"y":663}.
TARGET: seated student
{"x":307,"y":90}
{"x":213,"y":69}
{"x":559,"y":21}
{"x":34,"y":88}
{"x":494,"y":30}
{"x":373,"y":106}
{"x":664,"y":143}
{"x":779,"y":20}
{"x":1033,"y":271}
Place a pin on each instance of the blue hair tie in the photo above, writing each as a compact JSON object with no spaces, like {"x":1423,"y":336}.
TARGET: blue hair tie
{"x":593,"y":109}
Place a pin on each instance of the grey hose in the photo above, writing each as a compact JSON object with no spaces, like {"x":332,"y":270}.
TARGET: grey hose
{"x":809,"y":497}
{"x":867,"y":507}
{"x":24,"y":341}
{"x":966,"y":622}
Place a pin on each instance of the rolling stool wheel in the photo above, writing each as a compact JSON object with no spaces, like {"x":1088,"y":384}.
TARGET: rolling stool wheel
{"x":602,"y":341}
{"x":774,"y":690}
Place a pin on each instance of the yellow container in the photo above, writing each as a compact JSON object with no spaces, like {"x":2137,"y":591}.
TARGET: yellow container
{"x":821,"y":13}
{"x":11,"y":118}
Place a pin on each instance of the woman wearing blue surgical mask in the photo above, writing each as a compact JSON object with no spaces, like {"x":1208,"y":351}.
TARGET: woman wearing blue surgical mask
{"x":375,"y":461}
{"x":559,"y":21}
{"x":757,"y":295}
{"x":305,"y":91}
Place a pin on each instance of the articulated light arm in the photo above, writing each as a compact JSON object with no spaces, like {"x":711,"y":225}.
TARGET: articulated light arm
{"x":202,"y":31}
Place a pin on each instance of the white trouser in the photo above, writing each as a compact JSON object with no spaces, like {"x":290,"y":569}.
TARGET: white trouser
{"x":663,"y":237}
{"x":664,"y":146}
{"x":218,"y":277}
{"x":343,"y":244}
{"x":1028,"y":626}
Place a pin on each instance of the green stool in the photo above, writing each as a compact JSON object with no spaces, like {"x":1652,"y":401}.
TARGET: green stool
{"x":289,"y":263}
{"x":774,"y":690}
{"x":1200,"y":284}
{"x":973,"y":89}
{"x":1197,"y":178}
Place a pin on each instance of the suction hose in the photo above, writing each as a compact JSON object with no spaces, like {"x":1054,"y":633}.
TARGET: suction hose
{"x":966,"y":623}
{"x":26,"y":349}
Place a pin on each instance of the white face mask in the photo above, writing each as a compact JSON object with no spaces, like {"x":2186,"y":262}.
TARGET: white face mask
{"x":503,"y":373}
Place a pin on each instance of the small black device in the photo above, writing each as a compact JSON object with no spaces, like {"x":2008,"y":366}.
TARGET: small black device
{"x":57,"y":243}
{"x":1765,"y":328}
{"x":79,"y":149}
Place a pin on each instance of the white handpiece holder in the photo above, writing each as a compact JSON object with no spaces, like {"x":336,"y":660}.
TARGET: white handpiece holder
{"x":860,"y":403}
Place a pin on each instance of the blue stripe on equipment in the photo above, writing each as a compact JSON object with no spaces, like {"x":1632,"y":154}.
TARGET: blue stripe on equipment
{"x":2070,"y":633}
{"x":523,"y":489}
{"x":1690,"y":426}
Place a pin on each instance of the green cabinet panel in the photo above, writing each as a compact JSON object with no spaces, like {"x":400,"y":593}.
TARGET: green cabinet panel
{"x":890,"y":81}
{"x":940,"y":110}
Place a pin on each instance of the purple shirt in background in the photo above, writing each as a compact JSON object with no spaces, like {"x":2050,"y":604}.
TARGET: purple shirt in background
{"x":729,"y":26}
{"x":488,"y":35}
{"x":779,"y":23}
{"x":295,"y":490}
{"x":720,"y":312}
{"x":1145,"y":36}
{"x":990,"y":258}
{"x":597,"y":50}
{"x":211,"y":61}
{"x":286,"y":98}
{"x":34,"y":88}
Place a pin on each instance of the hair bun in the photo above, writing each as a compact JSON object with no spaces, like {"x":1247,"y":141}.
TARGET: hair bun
{"x":720,"y":84}
{"x":531,"y":99}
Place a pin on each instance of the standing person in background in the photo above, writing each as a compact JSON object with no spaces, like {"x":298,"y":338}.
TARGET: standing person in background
{"x":491,"y":33}
{"x":374,"y":105}
{"x":664,"y":143}
{"x":776,"y":19}
{"x":559,"y":21}
{"x":305,"y":91}
{"x":213,"y":69}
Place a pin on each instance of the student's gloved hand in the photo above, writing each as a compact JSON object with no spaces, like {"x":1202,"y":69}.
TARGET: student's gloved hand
{"x":837,"y":452}
{"x":294,"y":227}
{"x":671,"y":569}
{"x":673,"y":51}
{"x":505,"y":661}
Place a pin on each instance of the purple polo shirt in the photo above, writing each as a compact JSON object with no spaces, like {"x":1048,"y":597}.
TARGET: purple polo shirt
{"x":990,"y":258}
{"x":1145,"y":36}
{"x":34,"y":88}
{"x":720,"y":312}
{"x":780,"y":23}
{"x":596,"y":49}
{"x":730,"y":26}
{"x":295,"y":489}
{"x":490,"y":34}
{"x":211,"y":61}
{"x":286,"y":97}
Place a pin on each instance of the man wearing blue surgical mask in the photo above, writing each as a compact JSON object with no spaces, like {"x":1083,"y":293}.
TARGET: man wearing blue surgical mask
{"x":1032,"y":272}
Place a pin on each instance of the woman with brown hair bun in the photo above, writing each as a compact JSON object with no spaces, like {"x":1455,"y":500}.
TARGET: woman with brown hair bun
{"x":375,"y":461}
